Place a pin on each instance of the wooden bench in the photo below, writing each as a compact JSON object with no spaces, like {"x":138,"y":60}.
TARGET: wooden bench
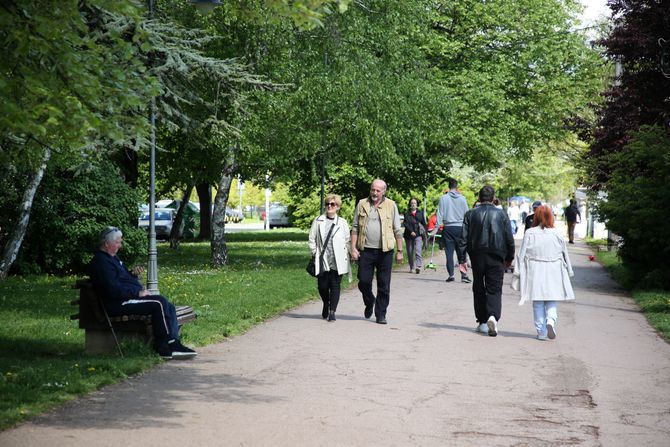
{"x":103,"y":332}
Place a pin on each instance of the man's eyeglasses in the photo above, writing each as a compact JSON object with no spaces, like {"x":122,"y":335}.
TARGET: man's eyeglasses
{"x":331,"y":204}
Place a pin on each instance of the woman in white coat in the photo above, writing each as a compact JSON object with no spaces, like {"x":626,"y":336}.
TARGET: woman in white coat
{"x":544,"y":270}
{"x":331,"y":261}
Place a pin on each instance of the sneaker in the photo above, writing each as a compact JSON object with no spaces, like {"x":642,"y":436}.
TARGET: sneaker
{"x":450,"y":279}
{"x":181,"y":352}
{"x":381,"y":320}
{"x":542,"y":337}
{"x":551,"y":332}
{"x":331,"y":316}
{"x":492,"y":326}
{"x":483,"y":328}
{"x":418,"y":270}
{"x":466,"y":279}
{"x":164,"y":351}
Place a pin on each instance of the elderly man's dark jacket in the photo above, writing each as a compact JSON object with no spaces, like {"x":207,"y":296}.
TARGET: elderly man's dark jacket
{"x":486,"y":229}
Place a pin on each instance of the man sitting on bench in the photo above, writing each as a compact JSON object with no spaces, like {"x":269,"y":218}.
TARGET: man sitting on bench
{"x":123,"y":294}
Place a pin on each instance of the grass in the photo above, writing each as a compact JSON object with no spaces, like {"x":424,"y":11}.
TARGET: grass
{"x":655,"y":303}
{"x":43,"y":364}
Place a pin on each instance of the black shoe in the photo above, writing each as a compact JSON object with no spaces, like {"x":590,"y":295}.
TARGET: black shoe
{"x":164,"y":350}
{"x":466,"y":279}
{"x":368,"y":311}
{"x":324,"y":311}
{"x":181,"y":352}
{"x":450,"y":279}
{"x":331,"y":316}
{"x":570,"y":242}
{"x":418,"y":270}
{"x":381,"y":320}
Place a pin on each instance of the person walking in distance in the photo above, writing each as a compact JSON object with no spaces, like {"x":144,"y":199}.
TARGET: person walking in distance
{"x":528,"y":221}
{"x":375,"y":232}
{"x":415,"y":232}
{"x":450,"y":212}
{"x":572,"y":217}
{"x":487,"y":238}
{"x":544,"y":271}
{"x":329,"y":240}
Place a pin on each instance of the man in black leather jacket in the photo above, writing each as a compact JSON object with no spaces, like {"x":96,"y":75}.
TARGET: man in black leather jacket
{"x":487,"y":238}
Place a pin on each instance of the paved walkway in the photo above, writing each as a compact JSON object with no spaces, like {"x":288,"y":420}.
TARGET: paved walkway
{"x":425,"y":379}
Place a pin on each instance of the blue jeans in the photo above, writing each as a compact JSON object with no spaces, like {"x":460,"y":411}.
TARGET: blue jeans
{"x":373,"y":261}
{"x":542,"y":312}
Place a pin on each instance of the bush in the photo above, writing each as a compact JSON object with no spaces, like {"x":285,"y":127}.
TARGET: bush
{"x":636,"y":205}
{"x":68,"y":214}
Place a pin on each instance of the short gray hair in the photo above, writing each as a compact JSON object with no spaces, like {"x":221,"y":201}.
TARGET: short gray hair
{"x":109,"y":234}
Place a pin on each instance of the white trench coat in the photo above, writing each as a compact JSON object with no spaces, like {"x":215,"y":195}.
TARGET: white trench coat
{"x":543,"y":266}
{"x":341,"y":238}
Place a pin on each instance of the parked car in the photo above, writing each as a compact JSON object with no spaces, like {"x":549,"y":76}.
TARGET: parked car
{"x":163,"y":219}
{"x":279,"y":216}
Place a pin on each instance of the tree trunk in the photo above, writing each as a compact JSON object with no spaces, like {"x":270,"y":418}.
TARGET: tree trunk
{"x":205,"y":195}
{"x":219,"y":248}
{"x":19,"y":232}
{"x":175,"y":233}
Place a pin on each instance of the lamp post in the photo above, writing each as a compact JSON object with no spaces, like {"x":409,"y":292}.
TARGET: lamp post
{"x":205,"y":6}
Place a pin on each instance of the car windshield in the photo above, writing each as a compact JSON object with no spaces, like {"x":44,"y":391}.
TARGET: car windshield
{"x":158,"y":215}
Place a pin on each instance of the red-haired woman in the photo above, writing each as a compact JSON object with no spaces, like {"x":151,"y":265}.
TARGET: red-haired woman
{"x":544,"y":270}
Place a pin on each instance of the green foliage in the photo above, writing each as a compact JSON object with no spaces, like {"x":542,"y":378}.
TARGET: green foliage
{"x":636,"y":203}
{"x":68,"y":215}
{"x":70,"y":75}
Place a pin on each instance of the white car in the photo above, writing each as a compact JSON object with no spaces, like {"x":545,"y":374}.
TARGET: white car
{"x":163,"y":218}
{"x":278,"y":216}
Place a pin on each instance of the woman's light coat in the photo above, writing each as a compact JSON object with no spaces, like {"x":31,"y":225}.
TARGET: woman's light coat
{"x":341,"y":237}
{"x":543,"y":265}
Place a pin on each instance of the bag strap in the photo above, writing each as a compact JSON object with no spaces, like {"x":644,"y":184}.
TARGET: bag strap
{"x":325,"y":243}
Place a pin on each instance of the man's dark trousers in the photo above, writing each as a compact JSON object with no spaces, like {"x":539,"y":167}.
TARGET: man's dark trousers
{"x":371,"y":260}
{"x":488,"y":271}
{"x":451,"y":235}
{"x":163,"y":314}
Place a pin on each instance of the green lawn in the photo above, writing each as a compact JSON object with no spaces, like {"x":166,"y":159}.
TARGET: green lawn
{"x":654,"y":303}
{"x":42,"y":363}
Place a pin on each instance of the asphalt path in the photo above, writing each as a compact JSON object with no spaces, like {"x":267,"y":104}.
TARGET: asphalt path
{"x":425,"y":379}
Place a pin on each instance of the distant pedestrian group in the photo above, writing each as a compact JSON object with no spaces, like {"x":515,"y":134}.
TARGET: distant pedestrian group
{"x":481,"y":238}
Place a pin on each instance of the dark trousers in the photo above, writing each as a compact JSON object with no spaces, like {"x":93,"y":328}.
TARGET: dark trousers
{"x":380,"y":263}
{"x":163,"y":315}
{"x":329,"y":288}
{"x":451,"y":235}
{"x":487,"y":280}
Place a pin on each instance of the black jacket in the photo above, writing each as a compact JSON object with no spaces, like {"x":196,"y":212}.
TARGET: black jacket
{"x":416,"y":224}
{"x":486,"y":229}
{"x":112,"y":279}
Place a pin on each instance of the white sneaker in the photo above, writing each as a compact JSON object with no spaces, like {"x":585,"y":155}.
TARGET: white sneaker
{"x":551,"y":332}
{"x":492,"y":326}
{"x":542,"y":337}
{"x":483,"y":328}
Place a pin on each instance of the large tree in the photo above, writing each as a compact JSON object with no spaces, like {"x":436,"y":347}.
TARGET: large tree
{"x":639,"y":45}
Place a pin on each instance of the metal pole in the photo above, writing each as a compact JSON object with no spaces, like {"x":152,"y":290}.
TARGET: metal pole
{"x":152,"y":268}
{"x":267,"y":202}
{"x":323,"y":175}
